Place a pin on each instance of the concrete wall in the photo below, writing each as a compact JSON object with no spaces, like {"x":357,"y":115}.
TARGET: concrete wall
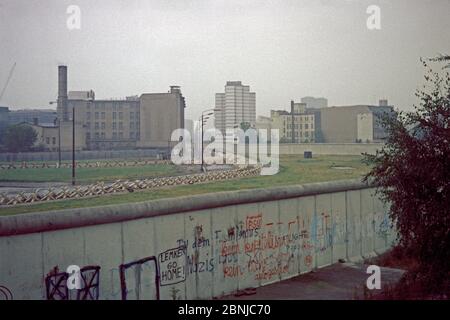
{"x":205,"y":246}
{"x":330,"y":148}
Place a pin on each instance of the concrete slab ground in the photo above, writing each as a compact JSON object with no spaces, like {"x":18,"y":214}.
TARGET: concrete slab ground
{"x":341,"y":281}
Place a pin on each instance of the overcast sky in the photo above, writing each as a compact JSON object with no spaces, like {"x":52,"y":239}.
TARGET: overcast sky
{"x":283,"y":49}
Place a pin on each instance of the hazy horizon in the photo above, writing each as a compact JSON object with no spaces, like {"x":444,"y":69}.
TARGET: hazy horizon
{"x":284,"y":50}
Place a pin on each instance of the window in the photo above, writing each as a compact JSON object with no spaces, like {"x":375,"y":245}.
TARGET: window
{"x":103,"y":135}
{"x":131,"y":125}
{"x":120,"y":115}
{"x":103,"y":125}
{"x":88,"y":124}
{"x":96,"y":125}
{"x":120,"y":125}
{"x":88,"y":136}
{"x":103,"y":115}
{"x":47,"y":140}
{"x":114,"y":115}
{"x":114,"y":125}
{"x":120,"y":135}
{"x":306,"y":126}
{"x":114,"y":135}
{"x":88,"y":115}
{"x":97,"y":135}
{"x":53,"y":140}
{"x":96,"y":115}
{"x":131,"y":115}
{"x":131,"y":135}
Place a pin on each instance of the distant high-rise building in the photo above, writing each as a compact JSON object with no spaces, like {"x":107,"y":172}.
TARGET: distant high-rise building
{"x":235,"y":106}
{"x":315,"y":103}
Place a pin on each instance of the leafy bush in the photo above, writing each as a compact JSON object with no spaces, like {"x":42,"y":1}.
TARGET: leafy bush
{"x":412,"y":173}
{"x":19,"y":137}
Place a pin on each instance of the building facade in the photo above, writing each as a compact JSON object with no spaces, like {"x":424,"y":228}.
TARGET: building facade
{"x":315,"y":103}
{"x":41,"y":116}
{"x":160,"y":115}
{"x":350,"y":124}
{"x":235,"y":106}
{"x":47,"y":136}
{"x":297,"y":126}
{"x":133,"y":122}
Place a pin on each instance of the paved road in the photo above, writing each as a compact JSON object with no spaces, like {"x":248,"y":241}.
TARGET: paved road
{"x":342,"y":281}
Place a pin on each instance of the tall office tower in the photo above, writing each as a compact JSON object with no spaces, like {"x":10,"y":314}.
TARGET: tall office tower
{"x":234,"y":107}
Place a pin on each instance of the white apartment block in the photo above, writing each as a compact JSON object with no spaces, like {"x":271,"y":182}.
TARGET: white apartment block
{"x":235,"y":106}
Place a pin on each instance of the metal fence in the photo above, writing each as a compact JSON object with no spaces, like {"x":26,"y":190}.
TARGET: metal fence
{"x":101,"y":188}
{"x":81,"y":155}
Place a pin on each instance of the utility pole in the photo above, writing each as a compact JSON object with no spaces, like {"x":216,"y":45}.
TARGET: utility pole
{"x":59,"y":143}
{"x":206,"y":113}
{"x":73,"y":146}
{"x":202,"y":140}
{"x":292,"y":124}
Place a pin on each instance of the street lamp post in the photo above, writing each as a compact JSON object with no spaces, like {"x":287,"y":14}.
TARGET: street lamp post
{"x":59,"y":143}
{"x":73,"y":146}
{"x":204,"y":117}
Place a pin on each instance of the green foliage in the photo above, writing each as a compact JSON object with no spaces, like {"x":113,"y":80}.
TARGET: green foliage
{"x":412,"y":172}
{"x":245,"y":126}
{"x":19,"y":137}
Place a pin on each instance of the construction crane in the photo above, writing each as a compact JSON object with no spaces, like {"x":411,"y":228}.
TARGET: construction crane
{"x":7,"y":81}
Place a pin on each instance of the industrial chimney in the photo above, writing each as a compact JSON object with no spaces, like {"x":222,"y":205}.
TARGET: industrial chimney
{"x":62,"y":94}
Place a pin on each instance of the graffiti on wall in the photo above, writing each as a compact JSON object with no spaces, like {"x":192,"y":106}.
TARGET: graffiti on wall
{"x":56,"y":287}
{"x":144,"y":274}
{"x":5,"y":293}
{"x":255,"y":248}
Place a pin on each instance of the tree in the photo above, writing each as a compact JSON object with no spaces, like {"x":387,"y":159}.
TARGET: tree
{"x":245,"y":126}
{"x":412,"y":173}
{"x":19,"y":137}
